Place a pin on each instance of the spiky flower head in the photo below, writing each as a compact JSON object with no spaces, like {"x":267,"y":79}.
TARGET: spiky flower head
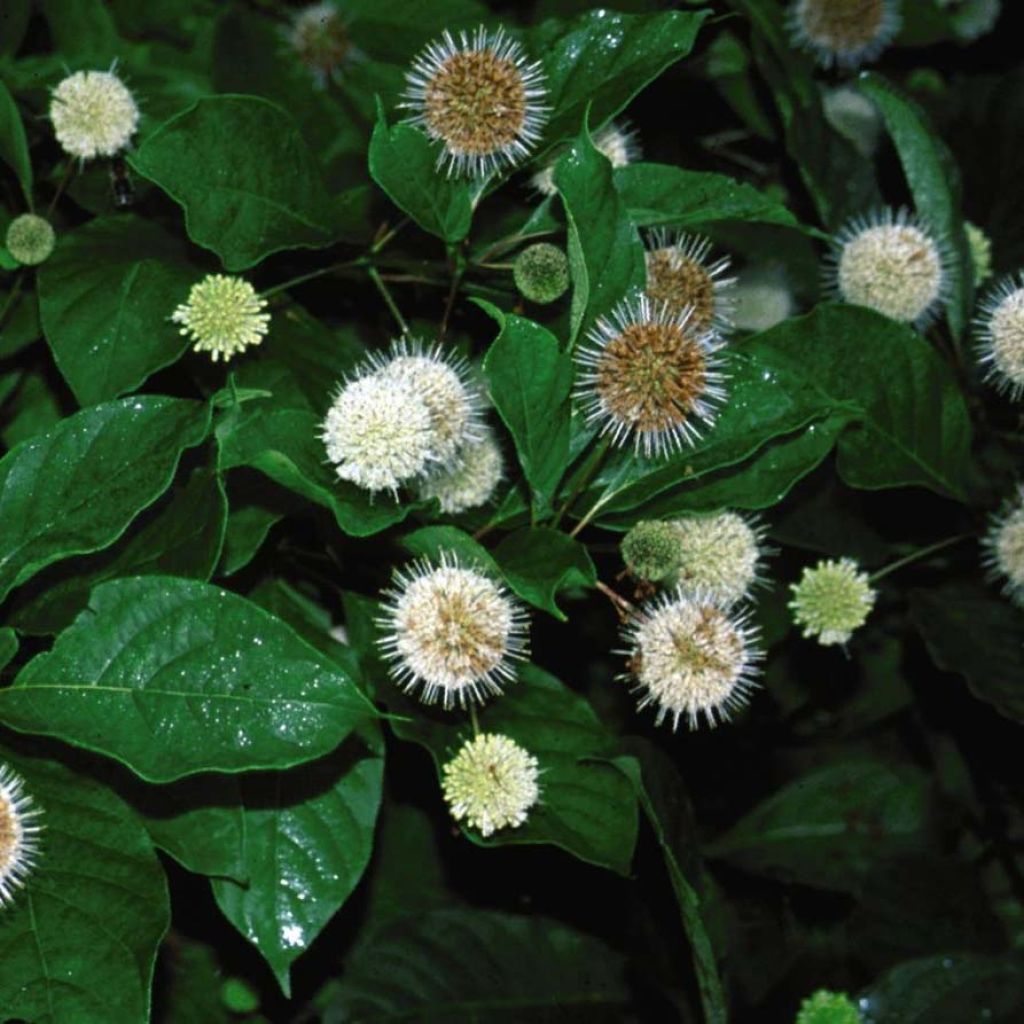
{"x":718,"y":555}
{"x":451,"y":632}
{"x":541,"y":273}
{"x":442,"y":380}
{"x":832,"y":599}
{"x":980,"y":246}
{"x":30,"y":239}
{"x":763,"y":298}
{"x":826,"y":1007}
{"x":223,"y":315}
{"x":320,"y":40}
{"x":471,"y":481}
{"x":491,"y":783}
{"x":480,"y":97}
{"x":681,"y":274}
{"x":854,"y":116}
{"x":844,"y":33}
{"x":615,"y":141}
{"x":1000,"y":331}
{"x":379,"y":433}
{"x":691,"y":656}
{"x":1004,"y":548}
{"x":891,"y":263}
{"x":19,"y":834}
{"x":647,"y":374}
{"x":651,"y":550}
{"x":93,"y":114}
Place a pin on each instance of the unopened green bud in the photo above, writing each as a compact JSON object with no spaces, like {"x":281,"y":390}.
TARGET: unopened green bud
{"x":981,"y":253}
{"x":30,"y":239}
{"x":541,"y":273}
{"x":651,"y":550}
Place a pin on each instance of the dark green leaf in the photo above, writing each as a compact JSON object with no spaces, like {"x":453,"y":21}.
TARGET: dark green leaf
{"x":244,"y":176}
{"x":385,"y":29}
{"x":606,"y":259}
{"x":934,"y":180}
{"x":174,"y":677}
{"x":105,"y":299}
{"x":183,"y":538}
{"x":587,"y":806}
{"x":839,"y":181}
{"x":76,"y":488}
{"x":829,"y":827}
{"x":8,"y":645}
{"x":540,"y":563}
{"x":82,"y":30}
{"x":404,"y":163}
{"x":530,"y":380}
{"x":21,"y":324}
{"x":13,"y":144}
{"x":454,"y":965}
{"x":79,"y":942}
{"x":603,"y":59}
{"x":285,"y":444}
{"x":193,"y":986}
{"x":761,"y":481}
{"x":307,"y":840}
{"x":431,"y":541}
{"x":255,"y":510}
{"x":948,"y":989}
{"x":658,"y":194}
{"x":911,"y":421}
{"x":978,"y":634}
{"x":662,"y":797}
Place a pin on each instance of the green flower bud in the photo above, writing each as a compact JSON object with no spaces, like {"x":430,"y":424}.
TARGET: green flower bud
{"x":541,"y":273}
{"x":651,"y":550}
{"x":826,"y":1007}
{"x":30,"y":239}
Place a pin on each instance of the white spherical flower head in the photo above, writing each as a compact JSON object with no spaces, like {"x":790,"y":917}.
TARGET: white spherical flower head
{"x":692,"y":657}
{"x":890,"y":263}
{"x":319,"y":38}
{"x":1000,"y":329}
{"x":1004,"y":549}
{"x":844,"y":33}
{"x":471,"y":481}
{"x":763,"y":298}
{"x":615,"y":141}
{"x":480,"y":97}
{"x":718,"y":555}
{"x":378,"y":433}
{"x":443,"y":383}
{"x":832,"y":600}
{"x":19,"y":834}
{"x":223,"y":316}
{"x":451,"y":632}
{"x":491,"y":783}
{"x":681,"y":274}
{"x":649,"y":376}
{"x":93,"y":114}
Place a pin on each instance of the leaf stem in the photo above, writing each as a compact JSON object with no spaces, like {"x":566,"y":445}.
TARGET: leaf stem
{"x":12,"y":298}
{"x":311,"y":276}
{"x":388,"y":300}
{"x":915,"y":556}
{"x":593,"y":464}
{"x":473,"y":720}
{"x":69,"y":171}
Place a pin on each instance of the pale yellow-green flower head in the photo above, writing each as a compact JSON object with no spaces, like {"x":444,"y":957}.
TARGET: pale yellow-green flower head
{"x":30,"y":239}
{"x":93,"y":114}
{"x":1004,"y":548}
{"x":719,"y":555}
{"x":832,"y":600}
{"x":19,"y":834}
{"x":826,"y":1007}
{"x":844,"y":33}
{"x":223,"y":316}
{"x":491,"y":784}
{"x":999,"y":328}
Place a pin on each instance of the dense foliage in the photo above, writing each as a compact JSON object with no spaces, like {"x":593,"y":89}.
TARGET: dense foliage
{"x":233,"y":802}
